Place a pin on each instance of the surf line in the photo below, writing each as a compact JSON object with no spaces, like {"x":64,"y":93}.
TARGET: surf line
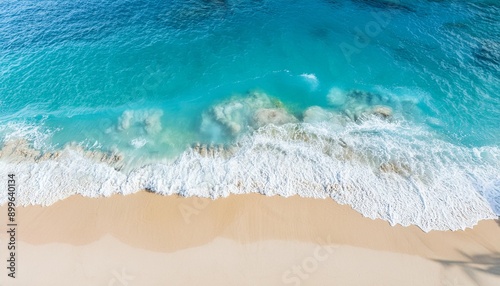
{"x":11,"y":225}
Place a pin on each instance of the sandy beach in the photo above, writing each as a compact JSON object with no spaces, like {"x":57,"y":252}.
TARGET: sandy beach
{"x":147,"y":239}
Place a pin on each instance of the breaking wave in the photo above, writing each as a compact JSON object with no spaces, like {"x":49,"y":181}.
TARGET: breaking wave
{"x":382,"y":166}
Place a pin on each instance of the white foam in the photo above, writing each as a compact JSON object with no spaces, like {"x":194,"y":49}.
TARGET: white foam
{"x":336,"y":96}
{"x":138,"y":142}
{"x":311,"y":79}
{"x":382,"y":169}
{"x":35,"y":133}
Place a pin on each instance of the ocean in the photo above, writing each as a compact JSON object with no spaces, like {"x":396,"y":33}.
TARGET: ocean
{"x":391,"y":107}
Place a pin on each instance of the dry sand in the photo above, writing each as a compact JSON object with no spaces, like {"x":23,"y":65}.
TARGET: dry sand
{"x":147,"y":239}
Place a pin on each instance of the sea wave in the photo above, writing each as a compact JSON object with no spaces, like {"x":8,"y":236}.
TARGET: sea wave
{"x":383,"y":168}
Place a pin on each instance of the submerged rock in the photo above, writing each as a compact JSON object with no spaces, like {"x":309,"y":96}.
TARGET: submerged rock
{"x":214,"y":151}
{"x":148,"y":119}
{"x":18,"y":150}
{"x":276,"y":116}
{"x":22,"y":151}
{"x":241,"y":114}
{"x":384,"y":111}
{"x":357,"y":104}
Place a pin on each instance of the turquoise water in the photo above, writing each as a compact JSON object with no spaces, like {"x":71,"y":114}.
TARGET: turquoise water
{"x":152,"y":81}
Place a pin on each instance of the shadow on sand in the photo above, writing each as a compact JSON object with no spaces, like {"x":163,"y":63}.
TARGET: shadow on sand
{"x":473,"y":265}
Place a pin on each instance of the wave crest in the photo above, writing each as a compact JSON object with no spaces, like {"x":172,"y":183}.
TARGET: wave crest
{"x":383,"y":169}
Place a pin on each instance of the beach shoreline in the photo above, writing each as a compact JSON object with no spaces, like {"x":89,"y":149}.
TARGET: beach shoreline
{"x":279,"y":232}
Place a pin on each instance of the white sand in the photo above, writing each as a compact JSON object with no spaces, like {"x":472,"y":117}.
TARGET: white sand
{"x":146,"y":239}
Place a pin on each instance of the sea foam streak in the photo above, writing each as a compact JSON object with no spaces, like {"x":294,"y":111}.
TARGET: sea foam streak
{"x":382,"y":168}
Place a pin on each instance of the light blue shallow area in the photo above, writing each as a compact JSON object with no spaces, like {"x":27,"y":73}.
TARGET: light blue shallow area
{"x":71,"y":68}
